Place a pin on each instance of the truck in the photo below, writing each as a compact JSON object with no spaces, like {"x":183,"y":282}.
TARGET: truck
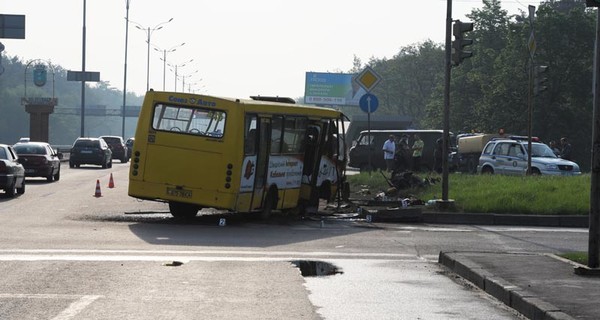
{"x":468,"y":150}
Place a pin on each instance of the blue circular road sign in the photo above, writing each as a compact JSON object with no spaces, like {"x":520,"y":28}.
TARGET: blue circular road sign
{"x":368,"y":103}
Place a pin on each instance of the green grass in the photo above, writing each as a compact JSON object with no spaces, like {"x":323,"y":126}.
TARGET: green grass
{"x":499,"y":194}
{"x":579,"y":257}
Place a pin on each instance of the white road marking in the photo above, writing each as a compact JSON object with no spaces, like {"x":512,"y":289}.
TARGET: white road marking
{"x":80,"y":303}
{"x":76,"y":307}
{"x":186,"y":256}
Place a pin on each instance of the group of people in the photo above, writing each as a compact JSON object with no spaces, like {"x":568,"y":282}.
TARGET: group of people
{"x":402,"y":155}
{"x":562,"y":150}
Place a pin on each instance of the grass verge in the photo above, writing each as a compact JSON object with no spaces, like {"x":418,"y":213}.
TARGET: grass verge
{"x":545,"y":195}
{"x":579,"y":257}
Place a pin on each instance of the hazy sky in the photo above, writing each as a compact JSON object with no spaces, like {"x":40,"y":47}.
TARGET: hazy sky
{"x":239,"y":48}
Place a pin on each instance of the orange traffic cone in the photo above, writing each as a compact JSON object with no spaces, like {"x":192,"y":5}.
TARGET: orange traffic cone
{"x":111,"y":182}
{"x":98,"y":193}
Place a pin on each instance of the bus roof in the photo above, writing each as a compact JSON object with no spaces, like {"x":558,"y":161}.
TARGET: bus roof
{"x":262,"y":102}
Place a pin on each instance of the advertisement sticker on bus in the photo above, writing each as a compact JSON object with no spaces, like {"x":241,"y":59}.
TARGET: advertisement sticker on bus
{"x":285,"y":172}
{"x":248,"y":170}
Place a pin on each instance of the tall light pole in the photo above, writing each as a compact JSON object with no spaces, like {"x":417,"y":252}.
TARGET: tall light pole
{"x":183,"y":79}
{"x":194,"y":84}
{"x":149,"y":32}
{"x":164,"y":59}
{"x":83,"y":71}
{"x":125,"y":72}
{"x":175,"y":66}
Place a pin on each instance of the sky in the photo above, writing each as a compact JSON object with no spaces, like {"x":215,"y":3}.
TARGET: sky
{"x":233,"y":48}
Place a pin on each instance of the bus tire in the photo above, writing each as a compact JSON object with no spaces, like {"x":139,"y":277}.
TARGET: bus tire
{"x":182,"y":210}
{"x":270,"y":204}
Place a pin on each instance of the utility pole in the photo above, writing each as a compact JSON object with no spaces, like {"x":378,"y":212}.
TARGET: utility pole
{"x":594,"y":236}
{"x":594,"y":231}
{"x":446,"y":137}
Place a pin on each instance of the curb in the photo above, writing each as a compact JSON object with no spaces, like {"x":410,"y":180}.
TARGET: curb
{"x":568,"y":221}
{"x":513,"y":296}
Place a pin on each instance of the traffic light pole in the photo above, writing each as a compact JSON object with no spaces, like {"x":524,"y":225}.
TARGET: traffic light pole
{"x":594,"y":229}
{"x":446,"y":138}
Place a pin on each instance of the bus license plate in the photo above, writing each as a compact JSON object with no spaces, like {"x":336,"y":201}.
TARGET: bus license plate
{"x":180,"y":193}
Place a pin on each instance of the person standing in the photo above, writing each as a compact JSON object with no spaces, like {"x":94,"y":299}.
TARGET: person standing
{"x":554,"y":147}
{"x":417,"y":149}
{"x":389,"y":150}
{"x":565,"y":148}
{"x":403,"y":154}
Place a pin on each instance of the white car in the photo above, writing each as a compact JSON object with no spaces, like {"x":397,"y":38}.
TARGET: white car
{"x":510,"y":157}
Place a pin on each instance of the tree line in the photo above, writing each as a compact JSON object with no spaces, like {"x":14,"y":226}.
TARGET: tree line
{"x":489,"y":91}
{"x":65,"y":122}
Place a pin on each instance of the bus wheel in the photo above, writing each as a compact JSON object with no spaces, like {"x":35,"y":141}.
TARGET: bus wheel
{"x":183,"y":210}
{"x":270,"y":204}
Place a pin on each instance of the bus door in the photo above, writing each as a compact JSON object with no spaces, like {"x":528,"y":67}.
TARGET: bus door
{"x":262,"y":161}
{"x":312,"y":159}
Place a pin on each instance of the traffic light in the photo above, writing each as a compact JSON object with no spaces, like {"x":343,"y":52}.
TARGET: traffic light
{"x":592,"y":3}
{"x":459,"y":43}
{"x":540,"y":79}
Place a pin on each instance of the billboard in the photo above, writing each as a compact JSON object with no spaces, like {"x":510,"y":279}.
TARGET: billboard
{"x":337,"y":89}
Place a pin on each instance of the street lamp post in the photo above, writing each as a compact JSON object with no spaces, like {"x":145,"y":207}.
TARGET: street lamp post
{"x":194,"y":84}
{"x":183,"y":79}
{"x":175,"y":66}
{"x":149,"y":32}
{"x":125,"y":72}
{"x":164,"y":59}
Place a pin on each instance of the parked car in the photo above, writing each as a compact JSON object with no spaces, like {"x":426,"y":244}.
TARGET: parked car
{"x":39,"y":160}
{"x":12,"y":172}
{"x":118,"y":147}
{"x":129,"y":144}
{"x":90,"y":151}
{"x":509,"y":157}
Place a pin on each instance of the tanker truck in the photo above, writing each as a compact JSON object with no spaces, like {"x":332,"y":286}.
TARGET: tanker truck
{"x":469,"y":147}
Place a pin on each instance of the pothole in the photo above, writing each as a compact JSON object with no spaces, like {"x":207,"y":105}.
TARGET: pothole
{"x":310,"y":268}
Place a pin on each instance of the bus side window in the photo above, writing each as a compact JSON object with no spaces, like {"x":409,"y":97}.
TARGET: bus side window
{"x":276,"y":134}
{"x":250,"y":135}
{"x":250,"y":143}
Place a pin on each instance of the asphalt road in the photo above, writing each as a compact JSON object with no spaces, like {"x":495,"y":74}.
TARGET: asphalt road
{"x":65,"y":254}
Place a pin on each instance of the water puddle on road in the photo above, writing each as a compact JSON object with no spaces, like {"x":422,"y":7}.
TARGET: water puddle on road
{"x":310,"y":268}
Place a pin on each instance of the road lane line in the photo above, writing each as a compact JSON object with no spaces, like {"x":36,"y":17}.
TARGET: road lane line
{"x":76,"y":307}
{"x":186,"y":256}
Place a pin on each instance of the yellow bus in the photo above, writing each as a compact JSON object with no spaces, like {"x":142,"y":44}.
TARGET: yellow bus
{"x":255,"y":155}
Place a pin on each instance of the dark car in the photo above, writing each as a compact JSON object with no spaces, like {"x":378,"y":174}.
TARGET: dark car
{"x":12,"y":173}
{"x":90,"y":151}
{"x":118,"y":147}
{"x":129,"y":145}
{"x":39,"y":160}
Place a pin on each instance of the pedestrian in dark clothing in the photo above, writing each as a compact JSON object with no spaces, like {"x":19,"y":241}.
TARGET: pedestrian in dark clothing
{"x":402,"y":154}
{"x":565,"y":149}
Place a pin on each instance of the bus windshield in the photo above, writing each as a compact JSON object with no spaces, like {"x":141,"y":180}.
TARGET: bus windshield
{"x":203,"y":122}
